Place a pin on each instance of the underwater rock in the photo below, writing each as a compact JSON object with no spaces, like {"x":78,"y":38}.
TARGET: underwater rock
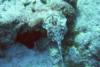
{"x":19,"y":20}
{"x":55,"y":24}
{"x":15,"y":10}
{"x":88,"y":26}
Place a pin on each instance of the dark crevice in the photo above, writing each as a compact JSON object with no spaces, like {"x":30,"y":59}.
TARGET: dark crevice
{"x":69,"y":37}
{"x":29,"y":36}
{"x":26,"y":4}
{"x":72,"y":2}
{"x":44,"y":1}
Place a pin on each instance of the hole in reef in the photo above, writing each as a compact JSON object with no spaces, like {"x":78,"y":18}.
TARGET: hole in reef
{"x":28,"y":38}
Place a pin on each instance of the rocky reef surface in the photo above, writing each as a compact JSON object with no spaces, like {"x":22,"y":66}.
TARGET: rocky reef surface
{"x":49,"y":33}
{"x":22,"y":24}
{"x":86,"y":49}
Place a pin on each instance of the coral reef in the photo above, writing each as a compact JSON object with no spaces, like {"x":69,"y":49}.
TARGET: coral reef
{"x":22,"y":23}
{"x":86,"y":49}
{"x":49,"y":33}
